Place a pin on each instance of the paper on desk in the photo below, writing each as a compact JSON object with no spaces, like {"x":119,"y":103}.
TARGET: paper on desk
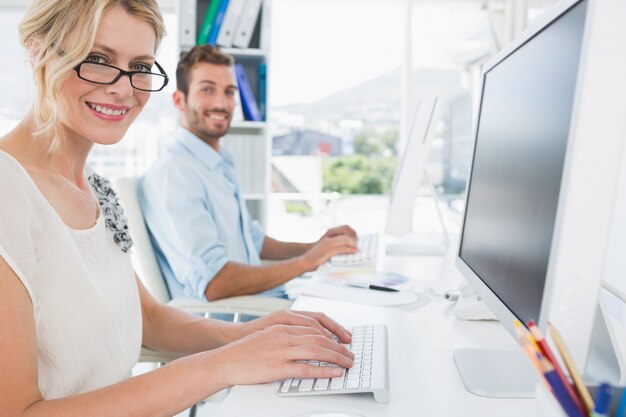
{"x":357,"y":295}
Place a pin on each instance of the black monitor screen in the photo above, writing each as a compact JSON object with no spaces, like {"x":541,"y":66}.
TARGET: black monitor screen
{"x":523,"y":127}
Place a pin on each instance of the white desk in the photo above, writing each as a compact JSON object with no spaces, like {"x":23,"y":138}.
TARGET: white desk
{"x":423,"y":377}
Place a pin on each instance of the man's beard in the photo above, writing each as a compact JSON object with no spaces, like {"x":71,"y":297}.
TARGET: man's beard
{"x":198,"y":124}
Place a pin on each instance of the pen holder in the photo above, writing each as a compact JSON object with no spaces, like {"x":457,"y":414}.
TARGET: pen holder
{"x":548,"y":406}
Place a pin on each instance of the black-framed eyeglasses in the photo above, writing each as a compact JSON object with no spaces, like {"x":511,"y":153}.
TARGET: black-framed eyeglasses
{"x":99,"y":73}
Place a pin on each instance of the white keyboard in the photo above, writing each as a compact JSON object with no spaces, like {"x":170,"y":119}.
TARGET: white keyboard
{"x":369,"y":373}
{"x":367,"y":244}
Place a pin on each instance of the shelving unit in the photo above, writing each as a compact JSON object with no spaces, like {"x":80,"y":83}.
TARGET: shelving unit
{"x":248,"y":141}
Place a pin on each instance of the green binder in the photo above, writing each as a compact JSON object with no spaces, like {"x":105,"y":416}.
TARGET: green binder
{"x":209,"y":20}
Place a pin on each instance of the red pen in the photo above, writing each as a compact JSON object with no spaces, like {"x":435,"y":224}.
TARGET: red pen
{"x":547,"y":352}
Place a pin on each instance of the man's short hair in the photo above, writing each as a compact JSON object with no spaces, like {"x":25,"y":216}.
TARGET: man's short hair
{"x":201,"y":53}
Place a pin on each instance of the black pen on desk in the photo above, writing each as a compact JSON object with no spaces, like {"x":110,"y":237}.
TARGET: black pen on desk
{"x":371,"y":287}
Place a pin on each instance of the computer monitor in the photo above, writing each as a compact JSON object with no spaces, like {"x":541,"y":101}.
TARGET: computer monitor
{"x":410,"y":174}
{"x":540,"y":198}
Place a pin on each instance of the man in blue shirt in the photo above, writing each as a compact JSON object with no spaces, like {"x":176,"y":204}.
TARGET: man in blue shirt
{"x":205,"y":241}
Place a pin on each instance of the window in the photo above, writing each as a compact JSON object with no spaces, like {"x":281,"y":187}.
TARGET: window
{"x":337,"y":94}
{"x":335,"y":99}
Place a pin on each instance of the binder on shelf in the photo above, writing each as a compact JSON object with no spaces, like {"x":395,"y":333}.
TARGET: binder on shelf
{"x":229,"y":24}
{"x":262,"y":86}
{"x":248,"y":102}
{"x":207,"y":24}
{"x":217,"y":24}
{"x":237,"y":111}
{"x":246,"y":24}
{"x":187,"y":23}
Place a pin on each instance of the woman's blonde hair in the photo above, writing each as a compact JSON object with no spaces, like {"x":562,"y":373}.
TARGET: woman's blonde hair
{"x":59,"y":34}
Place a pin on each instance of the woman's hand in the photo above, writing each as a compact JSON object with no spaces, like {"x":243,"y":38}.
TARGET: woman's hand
{"x":321,"y":323}
{"x":278,"y":351}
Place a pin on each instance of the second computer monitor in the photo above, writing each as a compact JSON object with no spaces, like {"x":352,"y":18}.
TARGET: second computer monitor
{"x":410,"y":173}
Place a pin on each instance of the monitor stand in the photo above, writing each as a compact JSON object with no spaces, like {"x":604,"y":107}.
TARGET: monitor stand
{"x":509,"y":374}
{"x":422,"y":244}
{"x":496,"y":373}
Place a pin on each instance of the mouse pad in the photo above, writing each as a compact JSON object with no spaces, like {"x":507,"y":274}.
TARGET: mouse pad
{"x":366,"y":276}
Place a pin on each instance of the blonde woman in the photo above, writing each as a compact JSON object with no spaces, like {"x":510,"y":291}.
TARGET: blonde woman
{"x":73,"y":314}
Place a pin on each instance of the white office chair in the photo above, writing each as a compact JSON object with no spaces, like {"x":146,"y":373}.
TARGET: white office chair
{"x":147,"y":267}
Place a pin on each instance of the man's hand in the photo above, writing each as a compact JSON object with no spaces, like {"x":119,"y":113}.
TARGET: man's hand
{"x":344,"y":230}
{"x":326,"y":248}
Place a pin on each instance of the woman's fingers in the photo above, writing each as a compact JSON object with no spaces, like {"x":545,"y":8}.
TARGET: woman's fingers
{"x":299,"y":336}
{"x":324,"y":324}
{"x":299,"y":318}
{"x":318,"y":322}
{"x":304,"y":370}
{"x":320,"y":354}
{"x":281,"y":351}
{"x":311,"y":345}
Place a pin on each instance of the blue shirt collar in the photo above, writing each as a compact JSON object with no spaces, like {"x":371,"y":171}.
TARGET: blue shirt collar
{"x":203,"y":151}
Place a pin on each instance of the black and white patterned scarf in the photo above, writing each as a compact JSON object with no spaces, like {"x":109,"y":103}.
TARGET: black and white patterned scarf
{"x":114,"y":218}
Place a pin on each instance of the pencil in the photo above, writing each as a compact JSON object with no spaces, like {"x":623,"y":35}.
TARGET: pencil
{"x":559,"y":389}
{"x":527,"y":335}
{"x":579,"y":385}
{"x":530,"y":351}
{"x":547,"y":352}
